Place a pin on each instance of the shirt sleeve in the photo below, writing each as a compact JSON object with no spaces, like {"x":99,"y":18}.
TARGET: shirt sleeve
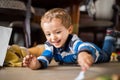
{"x":79,"y":46}
{"x":46,"y":56}
{"x":90,"y":48}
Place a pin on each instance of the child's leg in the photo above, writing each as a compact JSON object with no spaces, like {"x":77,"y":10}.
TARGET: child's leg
{"x":109,"y":45}
{"x":104,"y":54}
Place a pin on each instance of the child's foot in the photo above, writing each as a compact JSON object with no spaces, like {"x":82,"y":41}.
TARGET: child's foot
{"x":113,"y":33}
{"x":116,"y":35}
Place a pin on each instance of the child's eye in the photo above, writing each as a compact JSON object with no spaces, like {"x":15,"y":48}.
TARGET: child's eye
{"x":58,"y":32}
{"x":47,"y":34}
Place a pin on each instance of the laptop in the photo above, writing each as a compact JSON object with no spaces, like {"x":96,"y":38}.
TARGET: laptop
{"x":5,"y":33}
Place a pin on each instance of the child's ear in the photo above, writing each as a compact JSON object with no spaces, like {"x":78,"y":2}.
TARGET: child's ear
{"x":70,"y":29}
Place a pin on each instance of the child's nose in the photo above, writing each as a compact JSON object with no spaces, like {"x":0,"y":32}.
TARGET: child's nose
{"x":53,"y":37}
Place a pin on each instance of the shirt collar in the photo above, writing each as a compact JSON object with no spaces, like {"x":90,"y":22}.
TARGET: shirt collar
{"x":64,"y":48}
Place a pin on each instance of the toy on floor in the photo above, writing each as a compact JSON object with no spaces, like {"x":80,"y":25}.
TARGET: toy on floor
{"x":81,"y":76}
{"x":118,"y":57}
{"x":114,"y":56}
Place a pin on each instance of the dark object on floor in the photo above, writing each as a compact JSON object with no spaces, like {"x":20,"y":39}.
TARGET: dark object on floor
{"x":118,"y":57}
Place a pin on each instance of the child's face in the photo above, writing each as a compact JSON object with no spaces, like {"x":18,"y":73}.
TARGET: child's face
{"x":55,"y":32}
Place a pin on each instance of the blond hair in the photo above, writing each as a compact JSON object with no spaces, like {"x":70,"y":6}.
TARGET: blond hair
{"x":58,"y":13}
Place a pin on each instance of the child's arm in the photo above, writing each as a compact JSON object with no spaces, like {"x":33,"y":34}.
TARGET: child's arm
{"x":31,"y":62}
{"x":85,"y":60}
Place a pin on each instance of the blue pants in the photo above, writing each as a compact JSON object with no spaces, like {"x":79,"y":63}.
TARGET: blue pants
{"x":104,"y":54}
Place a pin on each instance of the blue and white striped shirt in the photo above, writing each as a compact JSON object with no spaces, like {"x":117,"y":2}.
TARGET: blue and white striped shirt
{"x":68,"y":53}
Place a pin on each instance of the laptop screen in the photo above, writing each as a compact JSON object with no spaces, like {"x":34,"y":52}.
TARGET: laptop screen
{"x":5,"y":33}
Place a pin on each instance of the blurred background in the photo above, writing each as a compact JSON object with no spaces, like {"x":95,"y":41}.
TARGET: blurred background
{"x":90,"y":18}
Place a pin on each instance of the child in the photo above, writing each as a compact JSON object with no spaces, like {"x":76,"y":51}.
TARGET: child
{"x":65,"y":47}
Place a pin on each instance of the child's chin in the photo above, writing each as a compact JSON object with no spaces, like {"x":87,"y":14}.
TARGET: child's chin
{"x":57,"y":46}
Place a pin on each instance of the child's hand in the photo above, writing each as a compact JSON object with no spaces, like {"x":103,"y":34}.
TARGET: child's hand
{"x":31,"y":62}
{"x":85,"y":60}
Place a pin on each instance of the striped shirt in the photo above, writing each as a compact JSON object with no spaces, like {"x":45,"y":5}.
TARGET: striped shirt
{"x":67,"y":54}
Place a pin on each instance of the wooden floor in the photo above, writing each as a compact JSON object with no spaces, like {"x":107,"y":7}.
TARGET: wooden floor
{"x":57,"y":72}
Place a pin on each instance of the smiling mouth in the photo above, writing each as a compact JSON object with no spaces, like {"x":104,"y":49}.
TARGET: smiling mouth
{"x":56,"y":42}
